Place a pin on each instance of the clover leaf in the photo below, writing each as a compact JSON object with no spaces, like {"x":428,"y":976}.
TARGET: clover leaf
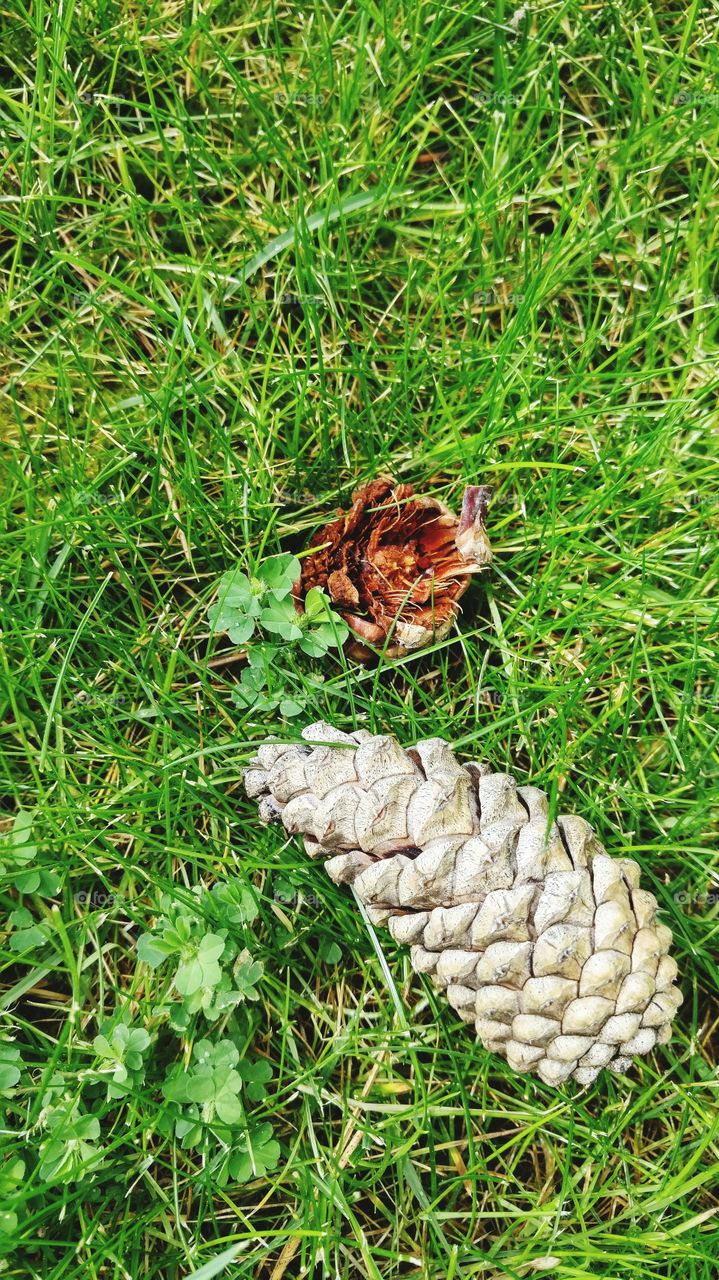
{"x":206,"y":1108}
{"x":280,"y":618}
{"x":250,"y":609}
{"x":70,"y":1149}
{"x":255,"y":1076}
{"x":27,"y":935}
{"x":210,"y":1086}
{"x":330,"y":952}
{"x":212,"y":973}
{"x":122,"y":1047}
{"x":322,"y":627}
{"x":242,"y":601}
{"x":152,"y":950}
{"x":291,"y":707}
{"x":201,"y":969}
{"x":246,"y":973}
{"x":250,"y":691}
{"x":279,"y":574}
{"x":237,"y":607}
{"x":18,"y":841}
{"x":263,"y":656}
{"x":12,"y":1174}
{"x":10,"y":1066}
{"x":235,"y":902}
{"x":256,"y":1154}
{"x":18,"y":852}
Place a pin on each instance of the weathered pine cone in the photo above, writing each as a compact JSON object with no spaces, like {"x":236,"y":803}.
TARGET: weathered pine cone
{"x":547,"y":945}
{"x":396,"y":564}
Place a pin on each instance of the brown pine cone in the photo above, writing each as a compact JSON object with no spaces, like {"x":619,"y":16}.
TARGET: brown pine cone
{"x":398,"y":563}
{"x":547,"y":945}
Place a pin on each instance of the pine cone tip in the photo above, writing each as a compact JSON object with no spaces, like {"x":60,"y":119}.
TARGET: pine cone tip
{"x":471,"y":539}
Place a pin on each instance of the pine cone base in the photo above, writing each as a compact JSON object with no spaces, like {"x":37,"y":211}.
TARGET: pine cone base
{"x":547,"y":945}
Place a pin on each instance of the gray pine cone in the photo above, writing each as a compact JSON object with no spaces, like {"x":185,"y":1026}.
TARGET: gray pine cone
{"x":547,"y":945}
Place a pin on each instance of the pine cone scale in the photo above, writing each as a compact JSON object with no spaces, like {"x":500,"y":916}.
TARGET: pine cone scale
{"x":547,"y":945}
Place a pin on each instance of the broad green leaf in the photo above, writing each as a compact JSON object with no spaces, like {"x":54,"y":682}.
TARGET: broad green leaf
{"x":331,"y":953}
{"x":189,"y":977}
{"x":200,"y":1088}
{"x":152,"y":950}
{"x":290,"y":707}
{"x":317,"y":606}
{"x":262,"y":656}
{"x":240,"y":630}
{"x":280,"y":619}
{"x":236,"y":608}
{"x":229,"y":1108}
{"x":102,"y":1047}
{"x":279,"y":573}
{"x":211,"y":947}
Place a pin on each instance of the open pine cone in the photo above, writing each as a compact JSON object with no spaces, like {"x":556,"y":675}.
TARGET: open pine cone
{"x":547,"y":945}
{"x":398,"y":563}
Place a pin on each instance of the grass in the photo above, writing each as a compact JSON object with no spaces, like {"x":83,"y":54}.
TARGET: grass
{"x":251,"y":256}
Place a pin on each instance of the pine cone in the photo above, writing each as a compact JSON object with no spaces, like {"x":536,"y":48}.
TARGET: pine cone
{"x":398,"y":563}
{"x":546,"y":944}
